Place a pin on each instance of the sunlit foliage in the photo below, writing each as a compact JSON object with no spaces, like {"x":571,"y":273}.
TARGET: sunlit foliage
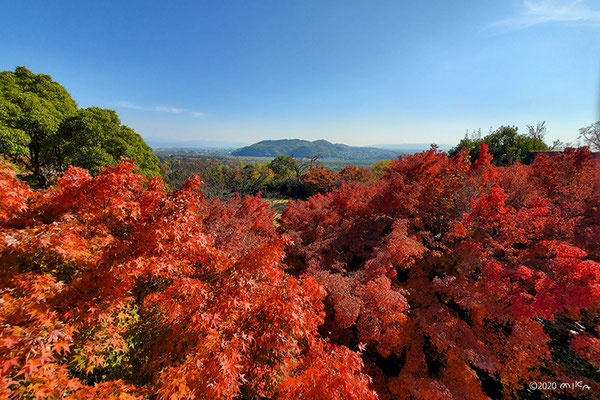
{"x":112,"y":288}
{"x":460,"y":278}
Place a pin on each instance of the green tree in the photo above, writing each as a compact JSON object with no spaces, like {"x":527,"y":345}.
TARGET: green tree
{"x":289,"y":171}
{"x":42,"y":130}
{"x":287,"y":179}
{"x":32,"y":107}
{"x":505,"y":145}
{"x":94,"y":137}
{"x":284,"y":167}
{"x":379,"y":167}
{"x":471,"y":143}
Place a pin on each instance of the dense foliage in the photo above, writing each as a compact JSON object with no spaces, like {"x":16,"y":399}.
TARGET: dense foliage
{"x":505,"y":144}
{"x":94,"y":137}
{"x":430,"y":277}
{"x":42,"y":130}
{"x":463,"y":280}
{"x":112,"y":288}
{"x":283,"y":177}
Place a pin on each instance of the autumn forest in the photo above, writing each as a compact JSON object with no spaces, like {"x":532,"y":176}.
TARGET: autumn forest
{"x":441,"y":278}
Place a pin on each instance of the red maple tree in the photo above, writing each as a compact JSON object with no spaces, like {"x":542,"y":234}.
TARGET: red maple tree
{"x":460,"y":278}
{"x":439,"y":279}
{"x":113,"y":288}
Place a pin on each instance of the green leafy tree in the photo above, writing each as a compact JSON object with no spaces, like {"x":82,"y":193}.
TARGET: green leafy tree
{"x":287,"y":176}
{"x":471,"y":143}
{"x":94,"y":137}
{"x":284,"y":166}
{"x":42,"y":130}
{"x":505,"y":145}
{"x":379,"y":167}
{"x":32,"y":107}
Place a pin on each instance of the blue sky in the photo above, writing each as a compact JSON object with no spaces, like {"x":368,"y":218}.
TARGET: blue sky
{"x":357,"y":72}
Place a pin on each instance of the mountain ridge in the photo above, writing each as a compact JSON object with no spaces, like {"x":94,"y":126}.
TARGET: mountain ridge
{"x":301,"y":148}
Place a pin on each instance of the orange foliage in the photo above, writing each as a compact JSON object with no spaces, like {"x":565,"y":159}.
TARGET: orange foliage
{"x":112,"y":288}
{"x":353,"y":173}
{"x":439,"y":279}
{"x":318,"y":180}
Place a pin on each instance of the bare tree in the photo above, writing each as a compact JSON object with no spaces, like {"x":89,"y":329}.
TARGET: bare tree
{"x":557,"y":145}
{"x":538,"y":131}
{"x":302,"y":165}
{"x":475,"y":135}
{"x":591,"y":135}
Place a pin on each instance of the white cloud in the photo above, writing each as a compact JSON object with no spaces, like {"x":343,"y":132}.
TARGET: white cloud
{"x":535,"y":12}
{"x":127,"y":104}
{"x":169,"y":109}
{"x":197,"y":114}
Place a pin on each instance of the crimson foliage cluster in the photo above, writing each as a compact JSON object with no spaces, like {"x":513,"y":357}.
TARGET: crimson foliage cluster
{"x":439,"y":279}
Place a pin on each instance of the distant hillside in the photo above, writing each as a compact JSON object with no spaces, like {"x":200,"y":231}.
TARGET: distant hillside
{"x":303,"y":148}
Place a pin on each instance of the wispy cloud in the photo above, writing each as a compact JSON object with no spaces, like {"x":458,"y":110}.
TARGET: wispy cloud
{"x":536,"y":12}
{"x":168,"y":109}
{"x":162,"y":109}
{"x":127,"y":104}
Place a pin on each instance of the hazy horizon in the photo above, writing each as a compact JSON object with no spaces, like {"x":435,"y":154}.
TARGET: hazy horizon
{"x":349,"y":72}
{"x":233,"y":144}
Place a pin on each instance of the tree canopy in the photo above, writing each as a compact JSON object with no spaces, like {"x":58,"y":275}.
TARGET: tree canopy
{"x":32,"y":106}
{"x":42,"y":130}
{"x":464,"y":280}
{"x":112,"y":288}
{"x":438,"y":279}
{"x":94,"y":137}
{"x":505,"y":144}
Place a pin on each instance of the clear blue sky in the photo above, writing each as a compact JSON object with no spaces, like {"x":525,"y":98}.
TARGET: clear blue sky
{"x":358,"y":72}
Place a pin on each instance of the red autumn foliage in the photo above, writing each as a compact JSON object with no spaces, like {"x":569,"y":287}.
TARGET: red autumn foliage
{"x":352,"y":173}
{"x":588,"y":346}
{"x":14,"y":192}
{"x":459,"y":277}
{"x":113,"y":288}
{"x":440,"y":279}
{"x":318,"y":180}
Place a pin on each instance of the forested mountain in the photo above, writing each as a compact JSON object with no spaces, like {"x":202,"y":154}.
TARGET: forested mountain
{"x":303,"y":148}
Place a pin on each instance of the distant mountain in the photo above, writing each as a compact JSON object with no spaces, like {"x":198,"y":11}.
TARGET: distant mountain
{"x":299,"y":148}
